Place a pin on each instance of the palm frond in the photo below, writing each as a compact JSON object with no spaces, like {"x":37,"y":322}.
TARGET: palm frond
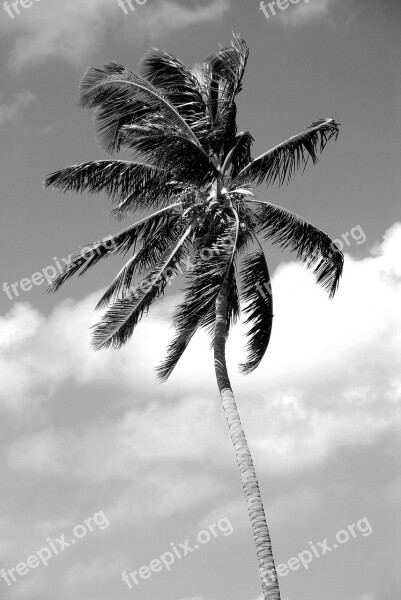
{"x":240,"y":154}
{"x":145,"y":201}
{"x":311,"y":245}
{"x":228,"y":65}
{"x":145,"y":184}
{"x":180,"y":86}
{"x":244,"y":239}
{"x":209,"y":92}
{"x":123,"y":97}
{"x":233,"y":298}
{"x":280,"y":163}
{"x":154,"y":247}
{"x":205,"y":281}
{"x":258,"y":300}
{"x":118,"y":243}
{"x":120,"y":286}
{"x":171,"y":151}
{"x":227,"y":69}
{"x":120,"y":320}
{"x":219,"y":80}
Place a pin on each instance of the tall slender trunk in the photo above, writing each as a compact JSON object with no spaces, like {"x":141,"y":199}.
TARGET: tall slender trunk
{"x":267,"y":569}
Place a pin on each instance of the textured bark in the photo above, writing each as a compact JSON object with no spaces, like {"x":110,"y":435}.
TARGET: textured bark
{"x":267,"y":569}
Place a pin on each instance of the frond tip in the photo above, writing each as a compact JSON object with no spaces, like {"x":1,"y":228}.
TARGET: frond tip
{"x":311,"y":245}
{"x":281,"y":162}
{"x":120,"y":320}
{"x":258,"y":299}
{"x":113,"y":176}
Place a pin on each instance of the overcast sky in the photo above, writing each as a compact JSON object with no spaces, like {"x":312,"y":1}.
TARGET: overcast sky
{"x":93,"y":434}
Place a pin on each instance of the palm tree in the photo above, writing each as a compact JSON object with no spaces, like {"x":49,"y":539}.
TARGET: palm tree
{"x":195,"y":173}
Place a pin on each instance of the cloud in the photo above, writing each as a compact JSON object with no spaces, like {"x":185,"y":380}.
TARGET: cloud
{"x":299,"y":13}
{"x":73,"y":31}
{"x":57,"y":126}
{"x":302,"y":501}
{"x":85,"y":431}
{"x":304,"y":13}
{"x":41,"y":451}
{"x":97,"y":570}
{"x":9,"y":113}
{"x":168,"y":16}
{"x":330,"y":378}
{"x":48,"y":527}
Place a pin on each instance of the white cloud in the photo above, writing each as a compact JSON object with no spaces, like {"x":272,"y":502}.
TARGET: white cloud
{"x":73,"y":31}
{"x":113,"y":452}
{"x":157,"y":455}
{"x":30,"y":588}
{"x":41,"y":452}
{"x":304,"y":12}
{"x":304,"y":502}
{"x":49,"y":527}
{"x":168,"y":16}
{"x":21,"y":324}
{"x":97,"y":570}
{"x":330,"y":379}
{"x":318,"y":11}
{"x":19,"y":103}
{"x":162,"y":491}
{"x":55,"y":127}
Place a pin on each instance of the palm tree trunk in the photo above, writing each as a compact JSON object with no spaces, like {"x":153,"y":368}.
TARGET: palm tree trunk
{"x":267,"y":569}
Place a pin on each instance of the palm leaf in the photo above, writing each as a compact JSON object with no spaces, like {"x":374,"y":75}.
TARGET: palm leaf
{"x":280,"y":163}
{"x":180,"y":86}
{"x":120,"y":320}
{"x":145,"y":184}
{"x":240,"y":154}
{"x":122,"y":97}
{"x":205,"y":281}
{"x":209,"y":92}
{"x":312,"y":246}
{"x":229,"y":65}
{"x":118,"y":243}
{"x":233,"y":298}
{"x":227,"y":69}
{"x":157,"y":198}
{"x":154,"y":246}
{"x":258,"y":300}
{"x":171,"y":151}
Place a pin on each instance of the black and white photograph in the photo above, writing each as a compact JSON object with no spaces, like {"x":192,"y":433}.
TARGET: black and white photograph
{"x":200,"y":300}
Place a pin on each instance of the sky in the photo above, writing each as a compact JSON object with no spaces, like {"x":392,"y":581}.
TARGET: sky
{"x":93,"y":448}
